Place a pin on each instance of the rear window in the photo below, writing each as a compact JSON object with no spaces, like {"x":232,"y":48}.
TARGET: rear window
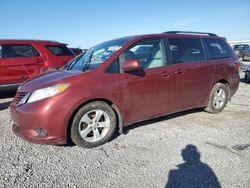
{"x":18,"y":50}
{"x":186,"y":50}
{"x":59,"y":50}
{"x":217,"y":49}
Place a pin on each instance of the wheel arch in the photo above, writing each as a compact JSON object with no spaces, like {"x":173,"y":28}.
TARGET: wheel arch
{"x":109,"y":102}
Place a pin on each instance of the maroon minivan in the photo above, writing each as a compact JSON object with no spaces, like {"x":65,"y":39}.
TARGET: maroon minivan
{"x":124,"y":81}
{"x":24,"y":59}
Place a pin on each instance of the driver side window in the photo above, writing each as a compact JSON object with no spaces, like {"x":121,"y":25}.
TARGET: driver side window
{"x":150,"y":53}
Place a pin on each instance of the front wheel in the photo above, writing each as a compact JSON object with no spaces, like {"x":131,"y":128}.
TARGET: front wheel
{"x":93,"y":125}
{"x":218,"y":98}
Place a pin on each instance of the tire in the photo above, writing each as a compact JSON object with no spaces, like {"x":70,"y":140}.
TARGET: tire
{"x":246,"y":78}
{"x":91,"y":119}
{"x":218,"y":98}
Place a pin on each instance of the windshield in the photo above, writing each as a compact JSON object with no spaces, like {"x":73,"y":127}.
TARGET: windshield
{"x":97,"y":55}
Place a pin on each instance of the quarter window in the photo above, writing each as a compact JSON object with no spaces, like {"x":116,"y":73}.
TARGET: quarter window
{"x":16,"y":50}
{"x":186,"y":50}
{"x":217,"y":49}
{"x":150,"y":53}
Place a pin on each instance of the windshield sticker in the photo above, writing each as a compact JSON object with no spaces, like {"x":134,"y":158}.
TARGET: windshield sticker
{"x":114,"y":48}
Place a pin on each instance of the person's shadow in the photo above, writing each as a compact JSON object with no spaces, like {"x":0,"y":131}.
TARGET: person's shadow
{"x":193,"y":172}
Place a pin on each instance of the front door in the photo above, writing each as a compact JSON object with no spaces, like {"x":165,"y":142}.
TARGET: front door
{"x":147,"y":92}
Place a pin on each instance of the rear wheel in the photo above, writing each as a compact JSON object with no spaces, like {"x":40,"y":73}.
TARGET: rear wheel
{"x":93,"y":125}
{"x":218,"y":98}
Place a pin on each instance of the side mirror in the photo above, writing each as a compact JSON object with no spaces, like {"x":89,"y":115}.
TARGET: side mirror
{"x":131,"y":65}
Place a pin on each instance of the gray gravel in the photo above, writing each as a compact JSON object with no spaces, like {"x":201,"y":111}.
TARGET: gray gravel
{"x":143,"y":157}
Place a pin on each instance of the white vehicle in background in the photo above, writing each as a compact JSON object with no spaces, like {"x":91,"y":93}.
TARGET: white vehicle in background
{"x":247,"y":54}
{"x":242,"y":50}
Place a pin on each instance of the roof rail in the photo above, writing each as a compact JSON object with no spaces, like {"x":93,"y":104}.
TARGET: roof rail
{"x":190,"y":32}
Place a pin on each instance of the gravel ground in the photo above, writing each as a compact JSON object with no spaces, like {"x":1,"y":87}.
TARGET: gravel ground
{"x":157,"y":153}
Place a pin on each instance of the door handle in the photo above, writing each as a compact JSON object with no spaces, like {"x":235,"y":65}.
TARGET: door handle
{"x":165,"y":74}
{"x":39,"y":61}
{"x":179,"y":72}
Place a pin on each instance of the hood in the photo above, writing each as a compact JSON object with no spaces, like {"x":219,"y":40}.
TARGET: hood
{"x":50,"y":78}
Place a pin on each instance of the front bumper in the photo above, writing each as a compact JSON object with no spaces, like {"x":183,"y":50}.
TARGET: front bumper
{"x":32,"y":136}
{"x":47,"y":114}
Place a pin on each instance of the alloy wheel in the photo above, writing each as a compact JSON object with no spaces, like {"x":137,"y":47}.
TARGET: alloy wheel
{"x":219,"y":98}
{"x":94,"y":125}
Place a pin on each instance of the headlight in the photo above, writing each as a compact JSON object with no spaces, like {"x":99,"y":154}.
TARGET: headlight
{"x":44,"y":93}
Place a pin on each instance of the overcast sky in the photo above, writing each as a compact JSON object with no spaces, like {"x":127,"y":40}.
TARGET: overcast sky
{"x":86,"y":23}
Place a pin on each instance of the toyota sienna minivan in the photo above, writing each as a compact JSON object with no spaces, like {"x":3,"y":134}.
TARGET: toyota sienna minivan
{"x":124,"y":81}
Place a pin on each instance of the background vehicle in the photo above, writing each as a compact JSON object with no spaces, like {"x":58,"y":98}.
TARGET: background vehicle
{"x":124,"y":81}
{"x":77,"y":51}
{"x":23,"y":59}
{"x":247,"y":55}
{"x":247,"y":73}
{"x":242,"y":50}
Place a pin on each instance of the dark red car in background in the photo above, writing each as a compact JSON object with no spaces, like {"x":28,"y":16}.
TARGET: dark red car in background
{"x":23,"y":59}
{"x":123,"y":81}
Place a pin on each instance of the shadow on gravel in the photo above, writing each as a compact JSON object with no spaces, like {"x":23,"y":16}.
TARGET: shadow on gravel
{"x":4,"y":105}
{"x":163,"y":118}
{"x":193,"y":172}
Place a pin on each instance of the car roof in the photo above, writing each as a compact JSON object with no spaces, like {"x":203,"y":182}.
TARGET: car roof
{"x":30,"y":41}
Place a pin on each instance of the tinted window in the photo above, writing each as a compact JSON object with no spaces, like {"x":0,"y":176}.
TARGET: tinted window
{"x":59,"y":50}
{"x":151,"y":53}
{"x":76,"y":51}
{"x":16,"y":50}
{"x":35,"y":52}
{"x":186,"y":50}
{"x":217,"y":49}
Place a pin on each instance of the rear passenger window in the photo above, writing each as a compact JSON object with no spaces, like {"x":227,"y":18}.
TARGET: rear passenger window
{"x":217,"y":49}
{"x":16,"y":50}
{"x":59,"y":50}
{"x":186,"y":50}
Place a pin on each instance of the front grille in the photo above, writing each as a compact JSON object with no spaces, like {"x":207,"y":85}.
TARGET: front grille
{"x":19,"y":96}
